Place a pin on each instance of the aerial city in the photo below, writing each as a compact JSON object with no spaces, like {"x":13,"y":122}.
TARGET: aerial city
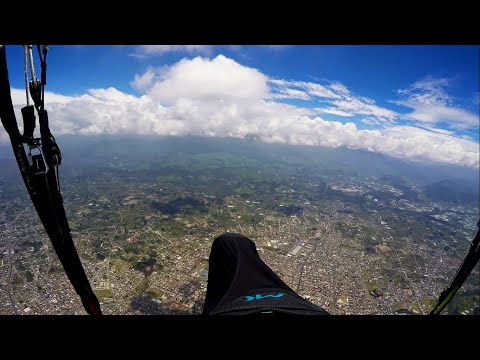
{"x":362,"y":204}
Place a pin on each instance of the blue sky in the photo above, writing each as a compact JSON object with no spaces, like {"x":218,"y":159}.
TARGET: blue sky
{"x":405,"y":101}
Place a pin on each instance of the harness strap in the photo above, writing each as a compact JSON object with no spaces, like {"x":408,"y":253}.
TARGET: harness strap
{"x":42,"y":183}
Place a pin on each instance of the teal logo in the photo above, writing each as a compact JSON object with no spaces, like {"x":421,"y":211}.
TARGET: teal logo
{"x":260,"y":296}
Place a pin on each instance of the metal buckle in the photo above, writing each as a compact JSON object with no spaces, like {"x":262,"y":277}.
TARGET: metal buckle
{"x":37,"y":160}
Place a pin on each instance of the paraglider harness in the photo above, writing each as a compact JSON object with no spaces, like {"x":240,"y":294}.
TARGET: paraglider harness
{"x":40,"y":168}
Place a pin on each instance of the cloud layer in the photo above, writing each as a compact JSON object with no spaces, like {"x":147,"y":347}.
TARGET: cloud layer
{"x":431,"y":105}
{"x":220,"y":97}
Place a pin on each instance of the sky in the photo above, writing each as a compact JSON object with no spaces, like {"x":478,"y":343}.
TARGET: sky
{"x":412,"y":102}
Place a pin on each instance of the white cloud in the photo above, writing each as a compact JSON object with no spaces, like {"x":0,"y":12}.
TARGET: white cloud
{"x":318,"y":90}
{"x":19,"y":97}
{"x":333,"y":111}
{"x":437,"y":130}
{"x":144,"y":81}
{"x":372,"y":122}
{"x":153,"y":50}
{"x":365,"y":106}
{"x":414,"y":142}
{"x":339,"y":88}
{"x":431,"y":105}
{"x":291,"y":94}
{"x":220,"y":97}
{"x":340,"y":100}
{"x":216,"y":80}
{"x":313,"y":89}
{"x":432,"y":114}
{"x":467,"y":137}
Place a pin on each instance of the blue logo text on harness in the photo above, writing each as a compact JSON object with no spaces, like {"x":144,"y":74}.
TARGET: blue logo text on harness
{"x":260,"y":296}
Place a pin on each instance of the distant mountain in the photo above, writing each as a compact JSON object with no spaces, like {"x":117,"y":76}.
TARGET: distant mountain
{"x":461,"y":192}
{"x":155,"y":155}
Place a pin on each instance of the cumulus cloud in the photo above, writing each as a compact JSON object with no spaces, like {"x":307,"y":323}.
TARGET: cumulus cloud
{"x":19,"y":98}
{"x":219,"y":79}
{"x":431,"y":105}
{"x":413,"y":142}
{"x":220,"y":97}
